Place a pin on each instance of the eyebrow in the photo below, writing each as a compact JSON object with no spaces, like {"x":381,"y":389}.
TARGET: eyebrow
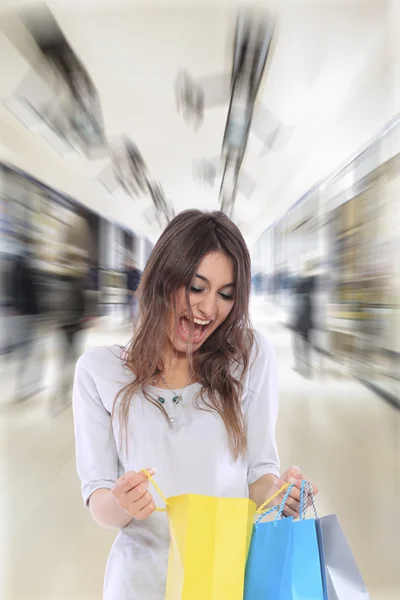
{"x":206,"y":280}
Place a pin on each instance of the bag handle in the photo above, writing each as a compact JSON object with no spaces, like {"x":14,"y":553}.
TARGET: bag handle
{"x":305,"y":491}
{"x":262,"y":512}
{"x":282,"y":506}
{"x":150,"y":478}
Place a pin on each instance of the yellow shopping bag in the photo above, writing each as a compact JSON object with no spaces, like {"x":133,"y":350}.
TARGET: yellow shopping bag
{"x":210,"y":539}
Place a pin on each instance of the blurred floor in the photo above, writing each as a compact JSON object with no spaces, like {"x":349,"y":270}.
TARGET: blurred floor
{"x":344,"y":438}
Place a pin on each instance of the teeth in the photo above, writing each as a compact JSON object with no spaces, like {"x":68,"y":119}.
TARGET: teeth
{"x":200,"y":322}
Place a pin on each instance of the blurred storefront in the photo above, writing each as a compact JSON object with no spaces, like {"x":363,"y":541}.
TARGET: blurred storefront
{"x":51,"y":228}
{"x":348,"y":227}
{"x":119,"y":248}
{"x":364,"y":312}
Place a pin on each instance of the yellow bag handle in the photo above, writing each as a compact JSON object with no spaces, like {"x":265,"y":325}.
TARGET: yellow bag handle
{"x":150,"y":478}
{"x":260,"y":510}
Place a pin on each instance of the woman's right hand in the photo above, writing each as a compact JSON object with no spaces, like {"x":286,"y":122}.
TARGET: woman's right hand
{"x":131,"y":493}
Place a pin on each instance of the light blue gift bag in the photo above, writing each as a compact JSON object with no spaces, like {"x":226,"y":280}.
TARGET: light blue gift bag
{"x":306,"y":566}
{"x":269,"y":563}
{"x":284,"y":561}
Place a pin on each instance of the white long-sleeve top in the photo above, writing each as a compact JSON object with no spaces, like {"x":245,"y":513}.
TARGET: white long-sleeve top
{"x":191,"y":456}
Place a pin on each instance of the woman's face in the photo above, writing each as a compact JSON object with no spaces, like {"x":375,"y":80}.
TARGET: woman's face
{"x":211,"y":297}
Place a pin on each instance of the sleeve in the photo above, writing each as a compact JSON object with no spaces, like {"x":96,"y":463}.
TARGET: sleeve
{"x":262,"y":412}
{"x":96,"y":453}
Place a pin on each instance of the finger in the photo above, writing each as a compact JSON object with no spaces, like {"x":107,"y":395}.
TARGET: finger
{"x":279,"y":483}
{"x":293,"y":505}
{"x":131,"y":479}
{"x":292,"y":502}
{"x":129,"y":498}
{"x":147,"y":509}
{"x":146,"y":512}
{"x":289,"y":512}
{"x":135,"y":493}
{"x":134,"y":508}
{"x":129,"y":485}
{"x":294,"y":472}
{"x":295,"y":491}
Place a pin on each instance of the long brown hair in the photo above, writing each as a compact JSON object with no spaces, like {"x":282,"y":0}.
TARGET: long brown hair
{"x":220,"y":364}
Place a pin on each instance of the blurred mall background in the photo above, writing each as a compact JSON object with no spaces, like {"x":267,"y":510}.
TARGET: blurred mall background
{"x":115,"y":116}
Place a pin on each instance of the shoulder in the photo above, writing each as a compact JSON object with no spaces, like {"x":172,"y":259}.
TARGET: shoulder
{"x":262,"y":373}
{"x":100,"y":360}
{"x":263,"y":361}
{"x":100,"y":374}
{"x":261,"y":356}
{"x":263,"y":349}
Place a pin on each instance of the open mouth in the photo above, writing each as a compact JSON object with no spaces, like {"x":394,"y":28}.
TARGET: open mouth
{"x":198,"y":326}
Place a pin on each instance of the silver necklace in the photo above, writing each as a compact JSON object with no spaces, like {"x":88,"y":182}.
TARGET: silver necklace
{"x":177,"y":398}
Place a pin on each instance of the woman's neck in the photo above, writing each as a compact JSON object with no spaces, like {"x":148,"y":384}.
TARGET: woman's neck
{"x":176,"y":370}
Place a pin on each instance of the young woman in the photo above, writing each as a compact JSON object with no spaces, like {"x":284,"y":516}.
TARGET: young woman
{"x":194,"y":396}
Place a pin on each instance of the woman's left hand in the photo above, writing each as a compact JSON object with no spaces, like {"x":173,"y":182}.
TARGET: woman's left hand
{"x":295,"y":476}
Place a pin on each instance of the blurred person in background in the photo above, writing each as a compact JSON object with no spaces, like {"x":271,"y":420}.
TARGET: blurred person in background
{"x":8,"y":334}
{"x":304,"y":319}
{"x":195,"y":395}
{"x":92,"y":289}
{"x":133,"y":280}
{"x":25,"y":305}
{"x":72,"y":318}
{"x":257,"y":283}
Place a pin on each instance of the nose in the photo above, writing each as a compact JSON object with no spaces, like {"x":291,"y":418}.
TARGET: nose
{"x":208,"y":305}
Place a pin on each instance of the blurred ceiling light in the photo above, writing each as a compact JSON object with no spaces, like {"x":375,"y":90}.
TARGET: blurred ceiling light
{"x":74,"y":109}
{"x":190,"y":99}
{"x":205,"y":171}
{"x":129,"y":167}
{"x":57,"y":142}
{"x":34,"y":121}
{"x":25,"y":113}
{"x":252,"y":42}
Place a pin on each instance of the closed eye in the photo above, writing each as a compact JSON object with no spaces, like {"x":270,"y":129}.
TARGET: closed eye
{"x":226,"y":296}
{"x":196,"y":290}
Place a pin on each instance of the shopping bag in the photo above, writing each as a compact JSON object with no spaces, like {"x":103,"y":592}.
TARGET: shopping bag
{"x":269,"y":563}
{"x":306,"y":568}
{"x":210,"y":540}
{"x":307,"y":581}
{"x":284,"y":561}
{"x":268,"y":572}
{"x":341,"y":576}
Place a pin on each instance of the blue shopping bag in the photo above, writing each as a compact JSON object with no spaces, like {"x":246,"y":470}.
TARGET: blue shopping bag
{"x":306,"y":567}
{"x":269,"y":563}
{"x":284,"y":559}
{"x":307,"y":580}
{"x":307,"y":572}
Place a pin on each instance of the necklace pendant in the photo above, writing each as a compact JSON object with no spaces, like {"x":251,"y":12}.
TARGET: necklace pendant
{"x":177,"y":399}
{"x":172,"y":420}
{"x":161,"y":400}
